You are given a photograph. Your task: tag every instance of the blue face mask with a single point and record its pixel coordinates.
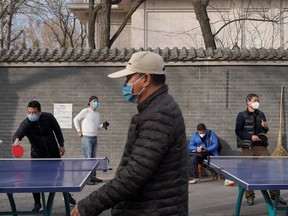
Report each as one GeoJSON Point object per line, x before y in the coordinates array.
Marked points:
{"type": "Point", "coordinates": [127, 91]}
{"type": "Point", "coordinates": [95, 105]}
{"type": "Point", "coordinates": [33, 117]}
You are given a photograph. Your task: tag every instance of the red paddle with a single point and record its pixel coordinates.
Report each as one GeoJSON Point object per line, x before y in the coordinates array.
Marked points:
{"type": "Point", "coordinates": [17, 151]}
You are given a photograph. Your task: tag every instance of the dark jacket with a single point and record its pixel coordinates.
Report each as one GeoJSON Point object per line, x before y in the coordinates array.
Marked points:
{"type": "Point", "coordinates": [249, 124]}
{"type": "Point", "coordinates": [152, 177]}
{"type": "Point", "coordinates": [41, 136]}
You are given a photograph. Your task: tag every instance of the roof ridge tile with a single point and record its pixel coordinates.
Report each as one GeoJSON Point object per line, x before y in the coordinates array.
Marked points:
{"type": "Point", "coordinates": [124, 54]}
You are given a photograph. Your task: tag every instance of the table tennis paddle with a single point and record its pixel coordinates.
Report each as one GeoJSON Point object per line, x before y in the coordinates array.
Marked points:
{"type": "Point", "coordinates": [263, 137]}
{"type": "Point", "coordinates": [17, 151]}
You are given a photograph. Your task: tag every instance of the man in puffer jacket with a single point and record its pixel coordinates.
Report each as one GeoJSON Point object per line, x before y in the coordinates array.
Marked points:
{"type": "Point", "coordinates": [152, 177]}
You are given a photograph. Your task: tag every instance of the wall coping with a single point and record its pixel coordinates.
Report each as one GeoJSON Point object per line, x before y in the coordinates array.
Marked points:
{"type": "Point", "coordinates": [68, 57]}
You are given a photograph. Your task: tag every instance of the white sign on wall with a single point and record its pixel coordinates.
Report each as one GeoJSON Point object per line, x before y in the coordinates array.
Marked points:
{"type": "Point", "coordinates": [63, 114]}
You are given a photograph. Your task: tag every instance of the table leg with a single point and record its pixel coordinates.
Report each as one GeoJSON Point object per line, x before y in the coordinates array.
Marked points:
{"type": "Point", "coordinates": [47, 208]}
{"type": "Point", "coordinates": [239, 200]}
{"type": "Point", "coordinates": [272, 210]}
{"type": "Point", "coordinates": [50, 203]}
{"type": "Point", "coordinates": [12, 202]}
{"type": "Point", "coordinates": [67, 203]}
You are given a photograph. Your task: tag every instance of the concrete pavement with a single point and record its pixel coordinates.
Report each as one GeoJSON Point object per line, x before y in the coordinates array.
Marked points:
{"type": "Point", "coordinates": [206, 198]}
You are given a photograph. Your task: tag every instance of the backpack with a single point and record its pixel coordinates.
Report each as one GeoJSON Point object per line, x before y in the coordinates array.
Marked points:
{"type": "Point", "coordinates": [219, 148]}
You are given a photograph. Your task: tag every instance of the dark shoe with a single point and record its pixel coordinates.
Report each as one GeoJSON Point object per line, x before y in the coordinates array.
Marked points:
{"type": "Point", "coordinates": [250, 201]}
{"type": "Point", "coordinates": [97, 180]}
{"type": "Point", "coordinates": [71, 200]}
{"type": "Point", "coordinates": [37, 207]}
{"type": "Point", "coordinates": [280, 200]}
{"type": "Point", "coordinates": [90, 182]}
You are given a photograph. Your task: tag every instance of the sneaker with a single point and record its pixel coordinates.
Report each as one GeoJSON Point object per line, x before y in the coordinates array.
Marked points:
{"type": "Point", "coordinates": [90, 182]}
{"type": "Point", "coordinates": [71, 200]}
{"type": "Point", "coordinates": [194, 181]}
{"type": "Point", "coordinates": [280, 200]}
{"type": "Point", "coordinates": [228, 182]}
{"type": "Point", "coordinates": [37, 207]}
{"type": "Point", "coordinates": [250, 201]}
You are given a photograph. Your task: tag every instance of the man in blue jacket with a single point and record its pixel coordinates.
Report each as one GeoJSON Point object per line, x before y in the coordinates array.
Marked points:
{"type": "Point", "coordinates": [203, 142]}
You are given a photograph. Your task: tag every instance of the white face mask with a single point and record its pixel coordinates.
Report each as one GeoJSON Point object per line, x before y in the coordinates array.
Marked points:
{"type": "Point", "coordinates": [202, 135]}
{"type": "Point", "coordinates": [255, 105]}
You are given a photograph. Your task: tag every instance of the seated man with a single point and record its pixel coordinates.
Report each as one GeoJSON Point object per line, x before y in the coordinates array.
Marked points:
{"type": "Point", "coordinates": [203, 142]}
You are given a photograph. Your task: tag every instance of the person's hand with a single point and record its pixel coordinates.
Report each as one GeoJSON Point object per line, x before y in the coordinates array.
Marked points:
{"type": "Point", "coordinates": [255, 138]}
{"type": "Point", "coordinates": [105, 125]}
{"type": "Point", "coordinates": [199, 149]}
{"type": "Point", "coordinates": [80, 134]}
{"type": "Point", "coordinates": [264, 124]}
{"type": "Point", "coordinates": [75, 211]}
{"type": "Point", "coordinates": [62, 151]}
{"type": "Point", "coordinates": [16, 142]}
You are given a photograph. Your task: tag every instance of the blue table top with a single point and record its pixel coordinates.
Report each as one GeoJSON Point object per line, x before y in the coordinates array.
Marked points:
{"type": "Point", "coordinates": [254, 173]}
{"type": "Point", "coordinates": [45, 175]}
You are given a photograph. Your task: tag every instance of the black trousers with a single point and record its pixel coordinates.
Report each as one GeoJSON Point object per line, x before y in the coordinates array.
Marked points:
{"type": "Point", "coordinates": [195, 159]}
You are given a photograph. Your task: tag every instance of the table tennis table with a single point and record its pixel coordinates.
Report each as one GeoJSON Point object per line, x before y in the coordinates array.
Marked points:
{"type": "Point", "coordinates": [254, 173]}
{"type": "Point", "coordinates": [46, 176]}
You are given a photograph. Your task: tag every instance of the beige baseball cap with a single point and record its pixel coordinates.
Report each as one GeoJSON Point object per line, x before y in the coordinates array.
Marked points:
{"type": "Point", "coordinates": [142, 62]}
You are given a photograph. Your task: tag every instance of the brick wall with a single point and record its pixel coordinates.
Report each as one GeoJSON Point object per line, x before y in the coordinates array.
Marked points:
{"type": "Point", "coordinates": [210, 94]}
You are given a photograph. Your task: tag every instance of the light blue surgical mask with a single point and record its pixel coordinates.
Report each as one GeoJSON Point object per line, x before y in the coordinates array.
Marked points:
{"type": "Point", "coordinates": [33, 117]}
{"type": "Point", "coordinates": [127, 91]}
{"type": "Point", "coordinates": [95, 105]}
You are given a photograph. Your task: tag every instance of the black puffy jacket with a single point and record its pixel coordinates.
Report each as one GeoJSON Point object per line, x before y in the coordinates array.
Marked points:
{"type": "Point", "coordinates": [151, 179]}
{"type": "Point", "coordinates": [41, 136]}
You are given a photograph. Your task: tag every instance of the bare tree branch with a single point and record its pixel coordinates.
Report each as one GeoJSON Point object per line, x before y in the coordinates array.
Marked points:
{"type": "Point", "coordinates": [125, 21]}
{"type": "Point", "coordinates": [240, 19]}
{"type": "Point", "coordinates": [17, 36]}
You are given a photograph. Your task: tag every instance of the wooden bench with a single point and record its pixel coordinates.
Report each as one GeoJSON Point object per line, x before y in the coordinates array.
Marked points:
{"type": "Point", "coordinates": [216, 176]}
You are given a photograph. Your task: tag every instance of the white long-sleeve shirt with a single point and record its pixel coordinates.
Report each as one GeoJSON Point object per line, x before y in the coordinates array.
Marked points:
{"type": "Point", "coordinates": [87, 121]}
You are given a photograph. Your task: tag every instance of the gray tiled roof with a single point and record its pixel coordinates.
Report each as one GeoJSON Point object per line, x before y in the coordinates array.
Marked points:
{"type": "Point", "coordinates": [122, 55]}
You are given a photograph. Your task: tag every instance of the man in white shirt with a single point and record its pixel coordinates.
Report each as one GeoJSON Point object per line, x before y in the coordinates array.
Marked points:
{"type": "Point", "coordinates": [87, 124]}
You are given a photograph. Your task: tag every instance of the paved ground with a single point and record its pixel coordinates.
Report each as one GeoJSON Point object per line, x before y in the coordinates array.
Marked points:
{"type": "Point", "coordinates": [207, 198]}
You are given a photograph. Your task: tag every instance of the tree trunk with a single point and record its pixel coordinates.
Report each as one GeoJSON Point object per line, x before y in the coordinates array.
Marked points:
{"type": "Point", "coordinates": [93, 11]}
{"type": "Point", "coordinates": [91, 25]}
{"type": "Point", "coordinates": [200, 7]}
{"type": "Point", "coordinates": [9, 23]}
{"type": "Point", "coordinates": [105, 24]}
{"type": "Point", "coordinates": [125, 21]}
{"type": "Point", "coordinates": [1, 24]}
